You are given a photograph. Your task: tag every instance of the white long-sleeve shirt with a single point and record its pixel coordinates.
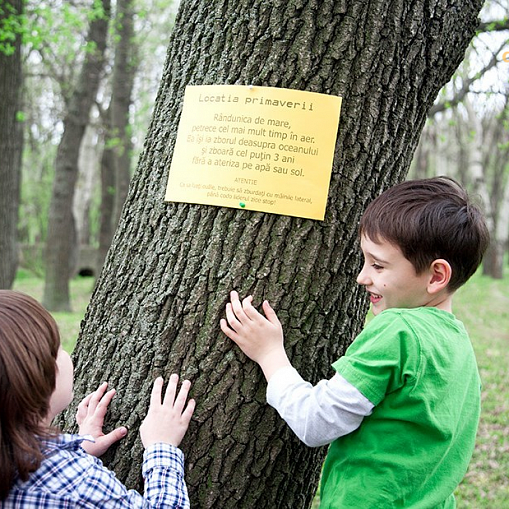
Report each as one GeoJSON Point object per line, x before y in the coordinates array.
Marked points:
{"type": "Point", "coordinates": [317, 414]}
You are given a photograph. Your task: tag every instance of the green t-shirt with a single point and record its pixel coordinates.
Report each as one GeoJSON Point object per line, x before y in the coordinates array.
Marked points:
{"type": "Point", "coordinates": [418, 368]}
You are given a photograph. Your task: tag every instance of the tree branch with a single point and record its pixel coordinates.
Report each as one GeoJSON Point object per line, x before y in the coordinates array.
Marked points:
{"type": "Point", "coordinates": [460, 95]}
{"type": "Point", "coordinates": [498, 25]}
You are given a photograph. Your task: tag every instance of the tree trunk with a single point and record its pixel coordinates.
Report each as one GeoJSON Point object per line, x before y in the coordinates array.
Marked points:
{"type": "Point", "coordinates": [495, 162]}
{"type": "Point", "coordinates": [107, 195]}
{"type": "Point", "coordinates": [11, 144]}
{"type": "Point", "coordinates": [61, 247]}
{"type": "Point", "coordinates": [500, 237]}
{"type": "Point", "coordinates": [424, 161]}
{"type": "Point", "coordinates": [157, 304]}
{"type": "Point", "coordinates": [116, 160]}
{"type": "Point", "coordinates": [122, 86]}
{"type": "Point", "coordinates": [88, 176]}
{"type": "Point", "coordinates": [472, 169]}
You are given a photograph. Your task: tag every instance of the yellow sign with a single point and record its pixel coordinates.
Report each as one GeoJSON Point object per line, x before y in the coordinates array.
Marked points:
{"type": "Point", "coordinates": [255, 148]}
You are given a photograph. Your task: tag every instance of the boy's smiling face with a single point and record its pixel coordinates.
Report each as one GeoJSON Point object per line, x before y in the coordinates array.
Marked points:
{"type": "Point", "coordinates": [390, 278]}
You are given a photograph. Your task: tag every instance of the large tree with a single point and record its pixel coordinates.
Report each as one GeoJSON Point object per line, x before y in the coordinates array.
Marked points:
{"type": "Point", "coordinates": [11, 135]}
{"type": "Point", "coordinates": [158, 301]}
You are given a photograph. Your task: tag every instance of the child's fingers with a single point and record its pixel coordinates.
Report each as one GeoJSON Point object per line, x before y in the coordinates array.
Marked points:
{"type": "Point", "coordinates": [224, 327]}
{"type": "Point", "coordinates": [102, 406]}
{"type": "Point", "coordinates": [82, 409]}
{"type": "Point", "coordinates": [96, 396]}
{"type": "Point", "coordinates": [188, 412]}
{"type": "Point", "coordinates": [155, 395]}
{"type": "Point", "coordinates": [85, 401]}
{"type": "Point", "coordinates": [270, 313]}
{"type": "Point", "coordinates": [114, 436]}
{"type": "Point", "coordinates": [234, 323]}
{"type": "Point", "coordinates": [250, 311]}
{"type": "Point", "coordinates": [103, 442]}
{"type": "Point", "coordinates": [237, 307]}
{"type": "Point", "coordinates": [169, 395]}
{"type": "Point", "coordinates": [182, 396]}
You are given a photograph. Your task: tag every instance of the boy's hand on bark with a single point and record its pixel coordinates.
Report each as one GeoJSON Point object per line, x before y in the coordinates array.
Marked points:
{"type": "Point", "coordinates": [259, 337]}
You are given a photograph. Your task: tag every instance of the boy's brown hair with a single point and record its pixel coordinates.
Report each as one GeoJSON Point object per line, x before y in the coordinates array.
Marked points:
{"type": "Point", "coordinates": [430, 219]}
{"type": "Point", "coordinates": [29, 344]}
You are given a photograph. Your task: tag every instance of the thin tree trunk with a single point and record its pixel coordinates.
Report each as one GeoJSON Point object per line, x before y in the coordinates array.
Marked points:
{"type": "Point", "coordinates": [116, 161]}
{"type": "Point", "coordinates": [107, 194]}
{"type": "Point", "coordinates": [495, 162]}
{"type": "Point", "coordinates": [61, 247]}
{"type": "Point", "coordinates": [157, 304]}
{"type": "Point", "coordinates": [122, 86]}
{"type": "Point", "coordinates": [472, 165]}
{"type": "Point", "coordinates": [500, 237]}
{"type": "Point", "coordinates": [88, 172]}
{"type": "Point", "coordinates": [11, 147]}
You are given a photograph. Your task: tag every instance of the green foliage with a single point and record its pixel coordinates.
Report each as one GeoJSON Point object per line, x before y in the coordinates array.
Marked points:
{"type": "Point", "coordinates": [113, 142]}
{"type": "Point", "coordinates": [11, 26]}
{"type": "Point", "coordinates": [55, 24]}
{"type": "Point", "coordinates": [54, 35]}
{"type": "Point", "coordinates": [57, 30]}
{"type": "Point", "coordinates": [96, 12]}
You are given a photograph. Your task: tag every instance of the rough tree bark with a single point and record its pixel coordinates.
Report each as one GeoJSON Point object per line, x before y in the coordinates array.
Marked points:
{"type": "Point", "coordinates": [11, 141]}
{"type": "Point", "coordinates": [61, 242]}
{"type": "Point", "coordinates": [157, 304]}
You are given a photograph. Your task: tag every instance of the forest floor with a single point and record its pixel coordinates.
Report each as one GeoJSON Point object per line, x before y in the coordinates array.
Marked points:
{"type": "Point", "coordinates": [483, 306]}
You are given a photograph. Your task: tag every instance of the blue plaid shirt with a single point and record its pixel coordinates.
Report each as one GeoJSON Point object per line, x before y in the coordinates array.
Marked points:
{"type": "Point", "coordinates": [69, 477]}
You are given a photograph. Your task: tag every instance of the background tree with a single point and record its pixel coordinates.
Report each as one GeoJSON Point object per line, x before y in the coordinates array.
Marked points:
{"type": "Point", "coordinates": [57, 34]}
{"type": "Point", "coordinates": [61, 243]}
{"type": "Point", "coordinates": [156, 307]}
{"type": "Point", "coordinates": [11, 135]}
{"type": "Point", "coordinates": [116, 159]}
{"type": "Point", "coordinates": [88, 176]}
{"type": "Point", "coordinates": [466, 135]}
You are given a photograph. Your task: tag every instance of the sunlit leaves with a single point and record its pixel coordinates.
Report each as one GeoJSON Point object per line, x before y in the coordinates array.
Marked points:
{"type": "Point", "coordinates": [11, 26]}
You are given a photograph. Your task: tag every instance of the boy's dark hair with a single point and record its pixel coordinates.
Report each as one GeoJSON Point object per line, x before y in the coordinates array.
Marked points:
{"type": "Point", "coordinates": [29, 344]}
{"type": "Point", "coordinates": [430, 219]}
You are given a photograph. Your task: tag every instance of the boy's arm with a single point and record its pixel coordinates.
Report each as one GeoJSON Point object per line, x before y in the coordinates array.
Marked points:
{"type": "Point", "coordinates": [317, 415]}
{"type": "Point", "coordinates": [259, 337]}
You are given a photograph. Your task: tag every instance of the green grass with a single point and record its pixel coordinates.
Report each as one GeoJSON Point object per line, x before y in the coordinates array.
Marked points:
{"type": "Point", "coordinates": [68, 323]}
{"type": "Point", "coordinates": [483, 305]}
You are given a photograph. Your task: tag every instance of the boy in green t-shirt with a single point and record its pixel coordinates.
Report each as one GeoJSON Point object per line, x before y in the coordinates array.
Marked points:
{"type": "Point", "coordinates": [402, 410]}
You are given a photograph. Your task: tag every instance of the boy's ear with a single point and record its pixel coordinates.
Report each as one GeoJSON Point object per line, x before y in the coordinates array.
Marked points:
{"type": "Point", "coordinates": [441, 272]}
